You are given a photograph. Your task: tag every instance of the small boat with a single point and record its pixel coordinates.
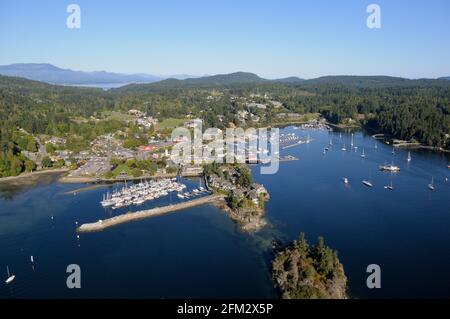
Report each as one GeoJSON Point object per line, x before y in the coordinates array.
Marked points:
{"type": "Point", "coordinates": [344, 148]}
{"type": "Point", "coordinates": [351, 144]}
{"type": "Point", "coordinates": [389, 187]}
{"type": "Point", "coordinates": [367, 183]}
{"type": "Point", "coordinates": [10, 277]}
{"type": "Point", "coordinates": [363, 155]}
{"type": "Point", "coordinates": [393, 150]}
{"type": "Point", "coordinates": [345, 180]}
{"type": "Point", "coordinates": [409, 157]}
{"type": "Point", "coordinates": [389, 168]}
{"type": "Point", "coordinates": [431, 185]}
{"type": "Point", "coordinates": [180, 196]}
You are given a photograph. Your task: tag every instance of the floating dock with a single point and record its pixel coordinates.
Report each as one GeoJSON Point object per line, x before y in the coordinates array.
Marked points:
{"type": "Point", "coordinates": [132, 216]}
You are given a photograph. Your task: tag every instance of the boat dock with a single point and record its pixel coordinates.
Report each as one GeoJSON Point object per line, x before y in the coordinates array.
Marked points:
{"type": "Point", "coordinates": [132, 216]}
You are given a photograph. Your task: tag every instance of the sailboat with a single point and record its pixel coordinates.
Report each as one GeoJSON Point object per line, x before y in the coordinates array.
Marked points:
{"type": "Point", "coordinates": [308, 139]}
{"type": "Point", "coordinates": [351, 144]}
{"type": "Point", "coordinates": [10, 277]}
{"type": "Point", "coordinates": [393, 150]}
{"type": "Point", "coordinates": [431, 185]}
{"type": "Point", "coordinates": [343, 148]}
{"type": "Point", "coordinates": [363, 155]}
{"type": "Point", "coordinates": [389, 187]}
{"type": "Point", "coordinates": [345, 180]}
{"type": "Point", "coordinates": [409, 157]}
{"type": "Point", "coordinates": [367, 183]}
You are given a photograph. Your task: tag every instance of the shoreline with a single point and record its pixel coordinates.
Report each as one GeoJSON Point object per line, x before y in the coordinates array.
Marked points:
{"type": "Point", "coordinates": [88, 179]}
{"type": "Point", "coordinates": [33, 174]}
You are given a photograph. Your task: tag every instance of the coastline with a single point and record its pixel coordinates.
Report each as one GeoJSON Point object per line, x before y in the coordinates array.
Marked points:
{"type": "Point", "coordinates": [89, 179]}
{"type": "Point", "coordinates": [33, 174]}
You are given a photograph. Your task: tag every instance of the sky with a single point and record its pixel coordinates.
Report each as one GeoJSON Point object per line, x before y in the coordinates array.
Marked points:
{"type": "Point", "coordinates": [273, 39]}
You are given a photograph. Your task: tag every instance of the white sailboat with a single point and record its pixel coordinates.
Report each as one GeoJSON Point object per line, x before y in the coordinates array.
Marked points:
{"type": "Point", "coordinates": [389, 187]}
{"type": "Point", "coordinates": [345, 180]}
{"type": "Point", "coordinates": [368, 183]}
{"type": "Point", "coordinates": [351, 144]}
{"type": "Point", "coordinates": [409, 157]}
{"type": "Point", "coordinates": [343, 148]}
{"type": "Point", "coordinates": [363, 155]}
{"type": "Point", "coordinates": [431, 185]}
{"type": "Point", "coordinates": [10, 277]}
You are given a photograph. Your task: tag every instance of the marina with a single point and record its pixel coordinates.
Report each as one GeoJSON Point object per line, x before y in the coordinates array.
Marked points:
{"type": "Point", "coordinates": [137, 194]}
{"type": "Point", "coordinates": [318, 195]}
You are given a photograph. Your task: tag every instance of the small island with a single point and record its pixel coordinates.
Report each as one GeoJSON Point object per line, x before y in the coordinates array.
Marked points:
{"type": "Point", "coordinates": [301, 271]}
{"type": "Point", "coordinates": [244, 199]}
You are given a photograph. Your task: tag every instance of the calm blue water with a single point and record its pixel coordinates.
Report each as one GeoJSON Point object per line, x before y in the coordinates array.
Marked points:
{"type": "Point", "coordinates": [200, 253]}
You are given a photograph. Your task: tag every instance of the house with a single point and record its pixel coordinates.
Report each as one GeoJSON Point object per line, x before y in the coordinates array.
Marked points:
{"type": "Point", "coordinates": [193, 123]}
{"type": "Point", "coordinates": [257, 105]}
{"type": "Point", "coordinates": [147, 148]}
{"type": "Point", "coordinates": [253, 195]}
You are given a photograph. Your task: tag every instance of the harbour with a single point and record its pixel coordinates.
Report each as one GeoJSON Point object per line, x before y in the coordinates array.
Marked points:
{"type": "Point", "coordinates": [321, 194]}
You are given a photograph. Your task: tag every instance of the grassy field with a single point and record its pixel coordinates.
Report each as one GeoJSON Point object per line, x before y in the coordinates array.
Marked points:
{"type": "Point", "coordinates": [170, 123]}
{"type": "Point", "coordinates": [112, 115]}
{"type": "Point", "coordinates": [122, 168]}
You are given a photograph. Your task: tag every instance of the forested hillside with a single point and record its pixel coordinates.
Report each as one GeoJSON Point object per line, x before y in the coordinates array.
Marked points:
{"type": "Point", "coordinates": [402, 108]}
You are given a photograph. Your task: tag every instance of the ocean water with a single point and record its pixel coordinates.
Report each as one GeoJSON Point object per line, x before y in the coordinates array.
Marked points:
{"type": "Point", "coordinates": [200, 253]}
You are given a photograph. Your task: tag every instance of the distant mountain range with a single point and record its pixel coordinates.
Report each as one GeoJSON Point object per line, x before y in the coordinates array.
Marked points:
{"type": "Point", "coordinates": [51, 74]}
{"type": "Point", "coordinates": [243, 79]}
{"type": "Point", "coordinates": [144, 82]}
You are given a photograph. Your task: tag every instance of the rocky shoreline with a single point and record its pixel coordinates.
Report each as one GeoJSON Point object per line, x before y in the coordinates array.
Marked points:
{"type": "Point", "coordinates": [244, 201]}
{"type": "Point", "coordinates": [249, 221]}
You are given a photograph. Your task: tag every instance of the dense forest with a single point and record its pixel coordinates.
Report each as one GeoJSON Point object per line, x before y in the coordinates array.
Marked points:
{"type": "Point", "coordinates": [302, 271]}
{"type": "Point", "coordinates": [401, 108]}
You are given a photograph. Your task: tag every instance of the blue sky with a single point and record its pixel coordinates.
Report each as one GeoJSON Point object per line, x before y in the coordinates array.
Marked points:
{"type": "Point", "coordinates": [271, 38]}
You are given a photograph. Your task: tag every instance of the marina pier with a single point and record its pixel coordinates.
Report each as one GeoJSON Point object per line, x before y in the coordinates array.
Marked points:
{"type": "Point", "coordinates": [132, 216]}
